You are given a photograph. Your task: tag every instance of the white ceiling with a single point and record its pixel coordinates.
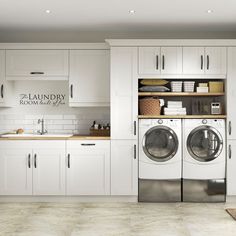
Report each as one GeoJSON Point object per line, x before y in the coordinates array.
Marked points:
{"type": "Point", "coordinates": [107, 15]}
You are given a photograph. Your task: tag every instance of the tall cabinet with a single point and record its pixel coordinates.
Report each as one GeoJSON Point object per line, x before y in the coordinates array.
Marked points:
{"type": "Point", "coordinates": [124, 112]}
{"type": "Point", "coordinates": [231, 122]}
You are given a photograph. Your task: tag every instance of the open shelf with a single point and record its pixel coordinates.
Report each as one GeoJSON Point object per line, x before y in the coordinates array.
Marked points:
{"type": "Point", "coordinates": [183, 117]}
{"type": "Point", "coordinates": [181, 94]}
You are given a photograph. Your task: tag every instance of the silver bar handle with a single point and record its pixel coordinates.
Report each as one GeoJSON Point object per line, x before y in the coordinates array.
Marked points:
{"type": "Point", "coordinates": [163, 62]}
{"type": "Point", "coordinates": [35, 160]}
{"type": "Point", "coordinates": [71, 90]}
{"type": "Point", "coordinates": [88, 144]}
{"type": "Point", "coordinates": [201, 62]}
{"type": "Point", "coordinates": [230, 152]}
{"type": "Point", "coordinates": [208, 62]}
{"type": "Point", "coordinates": [29, 162]}
{"type": "Point", "coordinates": [36, 73]}
{"type": "Point", "coordinates": [68, 158]}
{"type": "Point", "coordinates": [135, 127]}
{"type": "Point", "coordinates": [2, 87]}
{"type": "Point", "coordinates": [157, 62]}
{"type": "Point", "coordinates": [230, 128]}
{"type": "Point", "coordinates": [135, 155]}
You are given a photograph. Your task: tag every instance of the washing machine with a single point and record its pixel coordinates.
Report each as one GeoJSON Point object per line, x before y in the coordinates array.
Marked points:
{"type": "Point", "coordinates": [204, 160]}
{"type": "Point", "coordinates": [160, 160]}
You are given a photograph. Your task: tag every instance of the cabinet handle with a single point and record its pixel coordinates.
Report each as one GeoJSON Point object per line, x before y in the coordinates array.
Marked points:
{"type": "Point", "coordinates": [230, 128]}
{"type": "Point", "coordinates": [71, 91]}
{"type": "Point", "coordinates": [163, 62]}
{"type": "Point", "coordinates": [35, 160]}
{"type": "Point", "coordinates": [208, 62]}
{"type": "Point", "coordinates": [68, 157]}
{"type": "Point", "coordinates": [135, 128]}
{"type": "Point", "coordinates": [2, 87]}
{"type": "Point", "coordinates": [230, 152]}
{"type": "Point", "coordinates": [135, 151]}
{"type": "Point", "coordinates": [157, 62]}
{"type": "Point", "coordinates": [88, 144]}
{"type": "Point", "coordinates": [36, 73]}
{"type": "Point", "coordinates": [201, 62]}
{"type": "Point", "coordinates": [29, 164]}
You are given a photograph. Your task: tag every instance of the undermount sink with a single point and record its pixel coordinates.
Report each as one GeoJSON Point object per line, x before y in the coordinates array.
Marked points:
{"type": "Point", "coordinates": [36, 135]}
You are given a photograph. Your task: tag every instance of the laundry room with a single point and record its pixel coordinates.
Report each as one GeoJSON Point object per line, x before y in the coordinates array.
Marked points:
{"type": "Point", "coordinates": [117, 118]}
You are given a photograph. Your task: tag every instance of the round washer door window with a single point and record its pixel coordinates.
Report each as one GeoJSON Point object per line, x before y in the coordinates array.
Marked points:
{"type": "Point", "coordinates": [204, 143]}
{"type": "Point", "coordinates": [160, 143]}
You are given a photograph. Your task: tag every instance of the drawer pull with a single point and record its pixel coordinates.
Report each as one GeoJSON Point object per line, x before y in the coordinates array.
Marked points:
{"type": "Point", "coordinates": [230, 152]}
{"type": "Point", "coordinates": [36, 73]}
{"type": "Point", "coordinates": [35, 160]}
{"type": "Point", "coordinates": [68, 160]}
{"type": "Point", "coordinates": [88, 144]}
{"type": "Point", "coordinates": [29, 163]}
{"type": "Point", "coordinates": [135, 155]}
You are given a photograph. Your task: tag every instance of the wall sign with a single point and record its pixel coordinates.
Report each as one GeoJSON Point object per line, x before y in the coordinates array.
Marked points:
{"type": "Point", "coordinates": [42, 99]}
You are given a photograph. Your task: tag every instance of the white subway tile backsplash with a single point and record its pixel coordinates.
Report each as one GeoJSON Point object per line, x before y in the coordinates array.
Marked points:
{"type": "Point", "coordinates": [77, 123]}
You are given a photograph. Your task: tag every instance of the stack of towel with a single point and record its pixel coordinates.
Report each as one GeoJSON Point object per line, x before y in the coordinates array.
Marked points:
{"type": "Point", "coordinates": [175, 108]}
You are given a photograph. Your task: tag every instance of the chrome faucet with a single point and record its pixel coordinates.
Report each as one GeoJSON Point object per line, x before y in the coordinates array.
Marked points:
{"type": "Point", "coordinates": [43, 130]}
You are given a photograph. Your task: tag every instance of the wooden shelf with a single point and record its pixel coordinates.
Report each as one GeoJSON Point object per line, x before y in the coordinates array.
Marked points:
{"type": "Point", "coordinates": [172, 94]}
{"type": "Point", "coordinates": [183, 117]}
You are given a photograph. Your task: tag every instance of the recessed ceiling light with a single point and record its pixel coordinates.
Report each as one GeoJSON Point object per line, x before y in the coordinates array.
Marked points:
{"type": "Point", "coordinates": [209, 11]}
{"type": "Point", "coordinates": [48, 11]}
{"type": "Point", "coordinates": [131, 11]}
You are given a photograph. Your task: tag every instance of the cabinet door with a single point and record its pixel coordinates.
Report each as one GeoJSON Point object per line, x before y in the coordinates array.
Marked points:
{"type": "Point", "coordinates": [149, 60]}
{"type": "Point", "coordinates": [88, 168]}
{"type": "Point", "coordinates": [22, 64]}
{"type": "Point", "coordinates": [231, 168]}
{"type": "Point", "coordinates": [89, 78]}
{"type": "Point", "coordinates": [124, 167]}
{"type": "Point", "coordinates": [49, 168]}
{"type": "Point", "coordinates": [193, 60]}
{"type": "Point", "coordinates": [231, 93]}
{"type": "Point", "coordinates": [124, 92]}
{"type": "Point", "coordinates": [15, 168]}
{"type": "Point", "coordinates": [171, 60]}
{"type": "Point", "coordinates": [6, 88]}
{"type": "Point", "coordinates": [215, 60]}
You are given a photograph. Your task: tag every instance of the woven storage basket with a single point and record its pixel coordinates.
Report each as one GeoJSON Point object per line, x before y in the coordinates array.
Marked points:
{"type": "Point", "coordinates": [149, 106]}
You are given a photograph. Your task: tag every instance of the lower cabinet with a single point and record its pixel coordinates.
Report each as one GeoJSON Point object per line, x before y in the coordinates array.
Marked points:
{"type": "Point", "coordinates": [88, 168]}
{"type": "Point", "coordinates": [124, 167]}
{"type": "Point", "coordinates": [32, 167]}
{"type": "Point", "coordinates": [231, 167]}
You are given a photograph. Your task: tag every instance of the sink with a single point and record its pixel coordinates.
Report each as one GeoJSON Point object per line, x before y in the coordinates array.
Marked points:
{"type": "Point", "coordinates": [36, 135]}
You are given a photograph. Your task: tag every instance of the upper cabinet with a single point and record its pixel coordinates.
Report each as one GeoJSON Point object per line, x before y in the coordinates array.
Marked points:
{"type": "Point", "coordinates": [89, 80]}
{"type": "Point", "coordinates": [6, 87]}
{"type": "Point", "coordinates": [37, 64]}
{"type": "Point", "coordinates": [160, 60]}
{"type": "Point", "coordinates": [204, 61]}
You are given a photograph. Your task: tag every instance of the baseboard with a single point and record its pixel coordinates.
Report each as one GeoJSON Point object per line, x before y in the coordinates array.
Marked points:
{"type": "Point", "coordinates": [68, 199]}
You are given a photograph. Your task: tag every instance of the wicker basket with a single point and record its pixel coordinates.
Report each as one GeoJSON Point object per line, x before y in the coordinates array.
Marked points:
{"type": "Point", "coordinates": [149, 106]}
{"type": "Point", "coordinates": [100, 132]}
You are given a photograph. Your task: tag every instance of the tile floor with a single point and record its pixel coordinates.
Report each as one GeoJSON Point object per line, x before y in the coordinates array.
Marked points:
{"type": "Point", "coordinates": [115, 219]}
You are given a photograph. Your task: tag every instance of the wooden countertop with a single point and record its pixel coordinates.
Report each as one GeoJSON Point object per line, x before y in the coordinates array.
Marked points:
{"type": "Point", "coordinates": [74, 137]}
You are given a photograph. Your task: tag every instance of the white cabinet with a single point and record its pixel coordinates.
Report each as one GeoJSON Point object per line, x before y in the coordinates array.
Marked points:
{"type": "Point", "coordinates": [89, 80]}
{"type": "Point", "coordinates": [204, 61]}
{"type": "Point", "coordinates": [15, 168]}
{"type": "Point", "coordinates": [88, 167]}
{"type": "Point", "coordinates": [231, 93]}
{"type": "Point", "coordinates": [231, 168]}
{"type": "Point", "coordinates": [124, 92]}
{"type": "Point", "coordinates": [124, 167]}
{"type": "Point", "coordinates": [160, 60]}
{"type": "Point", "coordinates": [6, 88]}
{"type": "Point", "coordinates": [32, 167]}
{"type": "Point", "coordinates": [37, 64]}
{"type": "Point", "coordinates": [49, 168]}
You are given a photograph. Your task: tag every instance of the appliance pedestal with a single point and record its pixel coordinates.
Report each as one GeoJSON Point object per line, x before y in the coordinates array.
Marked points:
{"type": "Point", "coordinates": [159, 190]}
{"type": "Point", "coordinates": [213, 190]}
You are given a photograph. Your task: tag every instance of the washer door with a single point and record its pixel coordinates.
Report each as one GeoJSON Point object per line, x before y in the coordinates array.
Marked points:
{"type": "Point", "coordinates": [160, 143]}
{"type": "Point", "coordinates": [204, 143]}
